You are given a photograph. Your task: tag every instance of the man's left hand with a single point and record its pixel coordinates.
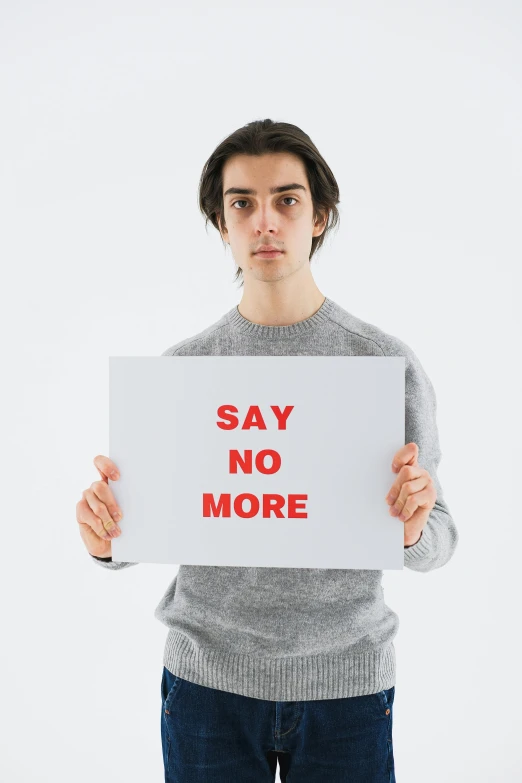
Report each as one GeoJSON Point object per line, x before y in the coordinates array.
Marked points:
{"type": "Point", "coordinates": [412, 495]}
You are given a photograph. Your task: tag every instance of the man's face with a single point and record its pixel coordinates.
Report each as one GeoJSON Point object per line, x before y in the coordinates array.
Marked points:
{"type": "Point", "coordinates": [282, 219]}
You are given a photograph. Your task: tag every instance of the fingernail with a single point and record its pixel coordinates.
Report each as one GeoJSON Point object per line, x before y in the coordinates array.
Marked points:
{"type": "Point", "coordinates": [116, 516]}
{"type": "Point", "coordinates": [114, 475]}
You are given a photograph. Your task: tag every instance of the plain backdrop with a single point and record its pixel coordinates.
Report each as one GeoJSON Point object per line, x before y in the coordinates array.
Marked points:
{"type": "Point", "coordinates": [109, 112]}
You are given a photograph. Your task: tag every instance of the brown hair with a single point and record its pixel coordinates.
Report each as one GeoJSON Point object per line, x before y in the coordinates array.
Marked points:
{"type": "Point", "coordinates": [262, 137]}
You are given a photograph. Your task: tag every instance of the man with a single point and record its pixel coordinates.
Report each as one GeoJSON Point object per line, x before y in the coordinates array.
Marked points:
{"type": "Point", "coordinates": [288, 664]}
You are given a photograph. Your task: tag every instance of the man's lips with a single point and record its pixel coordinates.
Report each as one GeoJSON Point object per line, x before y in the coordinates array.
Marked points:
{"type": "Point", "coordinates": [268, 249]}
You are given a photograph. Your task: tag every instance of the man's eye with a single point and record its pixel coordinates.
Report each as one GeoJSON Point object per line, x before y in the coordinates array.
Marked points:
{"type": "Point", "coordinates": [244, 201]}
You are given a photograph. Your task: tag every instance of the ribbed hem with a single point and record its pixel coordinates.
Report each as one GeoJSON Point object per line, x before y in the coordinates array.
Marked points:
{"type": "Point", "coordinates": [281, 679]}
{"type": "Point", "coordinates": [241, 324]}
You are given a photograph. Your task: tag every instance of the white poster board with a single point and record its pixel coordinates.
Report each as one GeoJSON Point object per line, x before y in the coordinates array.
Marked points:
{"type": "Point", "coordinates": [321, 432]}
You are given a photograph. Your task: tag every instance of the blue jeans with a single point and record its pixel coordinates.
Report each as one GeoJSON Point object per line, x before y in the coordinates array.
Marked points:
{"type": "Point", "coordinates": [212, 736]}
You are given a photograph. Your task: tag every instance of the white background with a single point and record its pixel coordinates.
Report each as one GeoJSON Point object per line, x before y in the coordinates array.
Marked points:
{"type": "Point", "coordinates": [110, 110]}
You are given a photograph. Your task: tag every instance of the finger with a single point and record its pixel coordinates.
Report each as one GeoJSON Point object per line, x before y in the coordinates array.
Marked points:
{"type": "Point", "coordinates": [105, 494]}
{"type": "Point", "coordinates": [86, 516]}
{"type": "Point", "coordinates": [406, 455]}
{"type": "Point", "coordinates": [106, 468]}
{"type": "Point", "coordinates": [419, 500]}
{"type": "Point", "coordinates": [99, 508]}
{"type": "Point", "coordinates": [407, 473]}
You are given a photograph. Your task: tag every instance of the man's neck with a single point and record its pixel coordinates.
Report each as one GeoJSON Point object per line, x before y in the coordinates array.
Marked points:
{"type": "Point", "coordinates": [281, 309]}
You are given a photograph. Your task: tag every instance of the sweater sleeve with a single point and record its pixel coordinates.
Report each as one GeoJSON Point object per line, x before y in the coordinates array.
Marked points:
{"type": "Point", "coordinates": [108, 562]}
{"type": "Point", "coordinates": [439, 537]}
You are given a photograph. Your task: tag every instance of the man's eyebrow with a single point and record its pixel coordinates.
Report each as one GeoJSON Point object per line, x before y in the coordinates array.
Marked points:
{"type": "Point", "coordinates": [250, 192]}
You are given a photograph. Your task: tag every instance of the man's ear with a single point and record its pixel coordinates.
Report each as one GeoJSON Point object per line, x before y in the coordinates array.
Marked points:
{"type": "Point", "coordinates": [320, 223]}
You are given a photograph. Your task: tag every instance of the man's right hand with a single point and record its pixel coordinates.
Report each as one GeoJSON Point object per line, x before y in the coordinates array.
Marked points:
{"type": "Point", "coordinates": [96, 511]}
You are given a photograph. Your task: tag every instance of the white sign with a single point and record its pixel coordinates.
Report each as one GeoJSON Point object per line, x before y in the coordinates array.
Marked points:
{"type": "Point", "coordinates": [280, 461]}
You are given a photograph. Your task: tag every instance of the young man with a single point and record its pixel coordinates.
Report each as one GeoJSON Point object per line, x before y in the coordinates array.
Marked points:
{"type": "Point", "coordinates": [267, 664]}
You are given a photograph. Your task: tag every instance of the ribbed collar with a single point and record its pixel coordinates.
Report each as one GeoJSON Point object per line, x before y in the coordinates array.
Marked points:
{"type": "Point", "coordinates": [241, 324]}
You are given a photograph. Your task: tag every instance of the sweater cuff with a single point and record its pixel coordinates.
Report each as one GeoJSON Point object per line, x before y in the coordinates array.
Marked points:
{"type": "Point", "coordinates": [421, 549]}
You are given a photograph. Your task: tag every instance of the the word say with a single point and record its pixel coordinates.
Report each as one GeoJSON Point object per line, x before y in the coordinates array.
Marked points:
{"type": "Point", "coordinates": [253, 418]}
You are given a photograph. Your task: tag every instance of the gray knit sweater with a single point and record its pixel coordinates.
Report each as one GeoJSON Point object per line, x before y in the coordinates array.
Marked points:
{"type": "Point", "coordinates": [293, 634]}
